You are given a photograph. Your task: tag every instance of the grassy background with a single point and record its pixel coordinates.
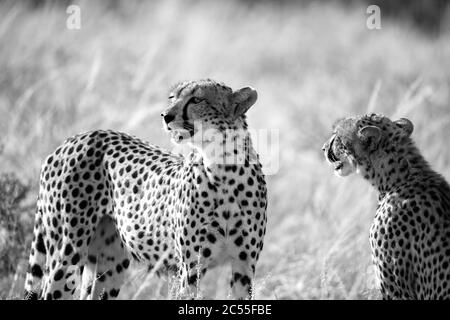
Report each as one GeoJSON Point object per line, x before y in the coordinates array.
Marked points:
{"type": "Point", "coordinates": [311, 64]}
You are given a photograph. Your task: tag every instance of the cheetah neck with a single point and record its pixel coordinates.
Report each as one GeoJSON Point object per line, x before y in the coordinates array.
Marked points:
{"type": "Point", "coordinates": [224, 155]}
{"type": "Point", "coordinates": [390, 171]}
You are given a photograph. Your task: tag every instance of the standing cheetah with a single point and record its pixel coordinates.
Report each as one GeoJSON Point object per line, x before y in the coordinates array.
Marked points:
{"type": "Point", "coordinates": [410, 235]}
{"type": "Point", "coordinates": [106, 197]}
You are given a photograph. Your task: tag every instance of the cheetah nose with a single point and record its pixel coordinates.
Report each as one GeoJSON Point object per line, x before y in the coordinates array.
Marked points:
{"type": "Point", "coordinates": [168, 118]}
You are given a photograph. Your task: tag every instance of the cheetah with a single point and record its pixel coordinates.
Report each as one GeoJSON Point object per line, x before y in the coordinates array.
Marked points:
{"type": "Point", "coordinates": [410, 234]}
{"type": "Point", "coordinates": [107, 198]}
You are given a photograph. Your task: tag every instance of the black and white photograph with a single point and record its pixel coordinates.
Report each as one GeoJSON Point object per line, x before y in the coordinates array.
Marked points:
{"type": "Point", "coordinates": [224, 150]}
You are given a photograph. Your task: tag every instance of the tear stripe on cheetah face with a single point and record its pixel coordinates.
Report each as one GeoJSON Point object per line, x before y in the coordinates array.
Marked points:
{"type": "Point", "coordinates": [410, 235]}
{"type": "Point", "coordinates": [106, 197]}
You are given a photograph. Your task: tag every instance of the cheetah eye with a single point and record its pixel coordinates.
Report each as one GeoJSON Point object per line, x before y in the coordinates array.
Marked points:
{"type": "Point", "coordinates": [195, 100]}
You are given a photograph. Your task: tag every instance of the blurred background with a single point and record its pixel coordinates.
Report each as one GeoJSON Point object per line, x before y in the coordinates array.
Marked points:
{"type": "Point", "coordinates": [311, 62]}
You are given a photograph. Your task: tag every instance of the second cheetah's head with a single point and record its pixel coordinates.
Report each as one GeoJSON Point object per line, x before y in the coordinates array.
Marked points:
{"type": "Point", "coordinates": [199, 106]}
{"type": "Point", "coordinates": [358, 142]}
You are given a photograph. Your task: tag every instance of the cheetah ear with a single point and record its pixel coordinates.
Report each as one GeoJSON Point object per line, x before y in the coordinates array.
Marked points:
{"type": "Point", "coordinates": [370, 136]}
{"type": "Point", "coordinates": [406, 125]}
{"type": "Point", "coordinates": [242, 100]}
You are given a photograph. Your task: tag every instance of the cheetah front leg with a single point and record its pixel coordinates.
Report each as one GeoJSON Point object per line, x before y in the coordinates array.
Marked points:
{"type": "Point", "coordinates": [199, 259]}
{"type": "Point", "coordinates": [241, 283]}
{"type": "Point", "coordinates": [194, 277]}
{"type": "Point", "coordinates": [246, 251]}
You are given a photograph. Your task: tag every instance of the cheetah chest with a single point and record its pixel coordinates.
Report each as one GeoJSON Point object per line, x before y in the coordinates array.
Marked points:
{"type": "Point", "coordinates": [390, 240]}
{"type": "Point", "coordinates": [229, 222]}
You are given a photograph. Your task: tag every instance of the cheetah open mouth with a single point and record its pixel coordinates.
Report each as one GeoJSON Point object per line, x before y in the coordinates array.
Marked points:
{"type": "Point", "coordinates": [338, 165]}
{"type": "Point", "coordinates": [342, 166]}
{"type": "Point", "coordinates": [334, 161]}
{"type": "Point", "coordinates": [331, 157]}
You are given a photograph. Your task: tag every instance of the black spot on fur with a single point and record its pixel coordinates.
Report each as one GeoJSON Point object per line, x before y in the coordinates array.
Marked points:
{"type": "Point", "coordinates": [40, 246]}
{"type": "Point", "coordinates": [113, 293]}
{"type": "Point", "coordinates": [68, 250]}
{"type": "Point", "coordinates": [36, 271]}
{"type": "Point", "coordinates": [206, 252]}
{"type": "Point", "coordinates": [58, 275]}
{"type": "Point", "coordinates": [239, 241]}
{"type": "Point", "coordinates": [92, 259]}
{"type": "Point", "coordinates": [57, 294]}
{"type": "Point", "coordinates": [75, 259]}
{"type": "Point", "coordinates": [211, 238]}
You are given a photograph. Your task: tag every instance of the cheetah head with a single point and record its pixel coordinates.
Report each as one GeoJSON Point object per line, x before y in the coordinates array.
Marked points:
{"type": "Point", "coordinates": [357, 142]}
{"type": "Point", "coordinates": [196, 107]}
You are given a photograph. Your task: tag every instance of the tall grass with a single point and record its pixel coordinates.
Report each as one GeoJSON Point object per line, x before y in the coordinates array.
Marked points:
{"type": "Point", "coordinates": [311, 65]}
